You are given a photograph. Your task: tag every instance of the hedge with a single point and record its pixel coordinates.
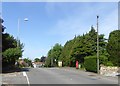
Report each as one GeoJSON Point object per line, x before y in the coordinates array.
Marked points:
{"type": "Point", "coordinates": [90, 63]}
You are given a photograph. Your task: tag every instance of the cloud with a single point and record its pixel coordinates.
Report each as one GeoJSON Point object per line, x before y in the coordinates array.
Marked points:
{"type": "Point", "coordinates": [68, 27]}
{"type": "Point", "coordinates": [76, 20]}
{"type": "Point", "coordinates": [81, 19]}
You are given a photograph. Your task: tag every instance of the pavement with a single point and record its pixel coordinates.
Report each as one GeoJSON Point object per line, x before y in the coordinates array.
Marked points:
{"type": "Point", "coordinates": [111, 78]}
{"type": "Point", "coordinates": [13, 78]}
{"type": "Point", "coordinates": [90, 73]}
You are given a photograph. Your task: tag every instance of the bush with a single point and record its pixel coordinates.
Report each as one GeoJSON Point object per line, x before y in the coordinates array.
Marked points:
{"type": "Point", "coordinates": [103, 59]}
{"type": "Point", "coordinates": [10, 56]}
{"type": "Point", "coordinates": [90, 63]}
{"type": "Point", "coordinates": [109, 63]}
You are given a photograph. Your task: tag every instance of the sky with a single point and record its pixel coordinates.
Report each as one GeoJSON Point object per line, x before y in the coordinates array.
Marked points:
{"type": "Point", "coordinates": [56, 22]}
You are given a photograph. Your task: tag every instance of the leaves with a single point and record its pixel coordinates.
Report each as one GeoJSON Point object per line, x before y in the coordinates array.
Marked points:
{"type": "Point", "coordinates": [11, 55]}
{"type": "Point", "coordinates": [36, 60]}
{"type": "Point", "coordinates": [82, 46]}
{"type": "Point", "coordinates": [43, 58]}
{"type": "Point", "coordinates": [1, 26]}
{"type": "Point", "coordinates": [113, 47]}
{"type": "Point", "coordinates": [28, 61]}
{"type": "Point", "coordinates": [10, 51]}
{"type": "Point", "coordinates": [54, 55]}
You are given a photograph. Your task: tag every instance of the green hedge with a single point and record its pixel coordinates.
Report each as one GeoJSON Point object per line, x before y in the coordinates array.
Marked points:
{"type": "Point", "coordinates": [90, 63]}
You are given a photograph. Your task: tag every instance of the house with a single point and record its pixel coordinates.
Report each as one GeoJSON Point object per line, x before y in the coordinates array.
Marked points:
{"type": "Point", "coordinates": [38, 64]}
{"type": "Point", "coordinates": [21, 62]}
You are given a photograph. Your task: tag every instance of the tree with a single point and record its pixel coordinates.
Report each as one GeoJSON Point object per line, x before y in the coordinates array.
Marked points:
{"type": "Point", "coordinates": [10, 51]}
{"type": "Point", "coordinates": [66, 57]}
{"type": "Point", "coordinates": [28, 61]}
{"type": "Point", "coordinates": [8, 42]}
{"type": "Point", "coordinates": [36, 60]}
{"type": "Point", "coordinates": [43, 58]}
{"type": "Point", "coordinates": [82, 46]}
{"type": "Point", "coordinates": [54, 55]}
{"type": "Point", "coordinates": [48, 62]}
{"type": "Point", "coordinates": [1, 26]}
{"type": "Point", "coordinates": [10, 56]}
{"type": "Point", "coordinates": [113, 47]}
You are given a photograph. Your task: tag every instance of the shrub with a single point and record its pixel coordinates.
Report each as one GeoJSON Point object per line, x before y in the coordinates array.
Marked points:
{"type": "Point", "coordinates": [109, 63]}
{"type": "Point", "coordinates": [90, 63]}
{"type": "Point", "coordinates": [10, 56]}
{"type": "Point", "coordinates": [103, 59]}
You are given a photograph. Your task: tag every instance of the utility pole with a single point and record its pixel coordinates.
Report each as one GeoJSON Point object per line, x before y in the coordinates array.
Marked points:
{"type": "Point", "coordinates": [51, 62]}
{"type": "Point", "coordinates": [97, 47]}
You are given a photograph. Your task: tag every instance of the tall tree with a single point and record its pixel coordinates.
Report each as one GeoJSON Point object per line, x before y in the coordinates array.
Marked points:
{"type": "Point", "coordinates": [10, 51]}
{"type": "Point", "coordinates": [82, 46]}
{"type": "Point", "coordinates": [8, 41]}
{"type": "Point", "coordinates": [85, 45]}
{"type": "Point", "coordinates": [54, 55]}
{"type": "Point", "coordinates": [65, 56]}
{"type": "Point", "coordinates": [1, 25]}
{"type": "Point", "coordinates": [113, 47]}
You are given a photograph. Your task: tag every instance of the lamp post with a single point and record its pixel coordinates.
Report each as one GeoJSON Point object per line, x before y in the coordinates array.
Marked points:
{"type": "Point", "coordinates": [97, 47]}
{"type": "Point", "coordinates": [18, 41]}
{"type": "Point", "coordinates": [55, 62]}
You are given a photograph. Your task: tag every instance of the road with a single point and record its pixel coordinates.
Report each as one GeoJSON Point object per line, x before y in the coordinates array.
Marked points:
{"type": "Point", "coordinates": [66, 76]}
{"type": "Point", "coordinates": [57, 76]}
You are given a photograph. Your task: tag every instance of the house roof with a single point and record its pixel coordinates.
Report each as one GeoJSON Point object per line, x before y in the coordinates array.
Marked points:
{"type": "Point", "coordinates": [38, 62]}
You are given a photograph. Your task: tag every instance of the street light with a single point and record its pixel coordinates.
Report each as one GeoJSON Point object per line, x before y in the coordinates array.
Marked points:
{"type": "Point", "coordinates": [25, 19]}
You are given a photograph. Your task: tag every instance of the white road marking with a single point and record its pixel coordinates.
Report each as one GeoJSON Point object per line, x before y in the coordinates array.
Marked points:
{"type": "Point", "coordinates": [24, 74]}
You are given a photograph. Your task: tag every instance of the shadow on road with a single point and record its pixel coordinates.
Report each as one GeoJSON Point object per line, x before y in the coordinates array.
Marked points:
{"type": "Point", "coordinates": [12, 70]}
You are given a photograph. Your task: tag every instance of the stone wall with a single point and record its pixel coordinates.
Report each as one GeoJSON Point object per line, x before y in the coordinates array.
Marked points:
{"type": "Point", "coordinates": [109, 71]}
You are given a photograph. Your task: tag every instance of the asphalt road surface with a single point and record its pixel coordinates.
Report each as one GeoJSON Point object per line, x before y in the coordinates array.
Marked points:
{"type": "Point", "coordinates": [65, 76]}
{"type": "Point", "coordinates": [55, 76]}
